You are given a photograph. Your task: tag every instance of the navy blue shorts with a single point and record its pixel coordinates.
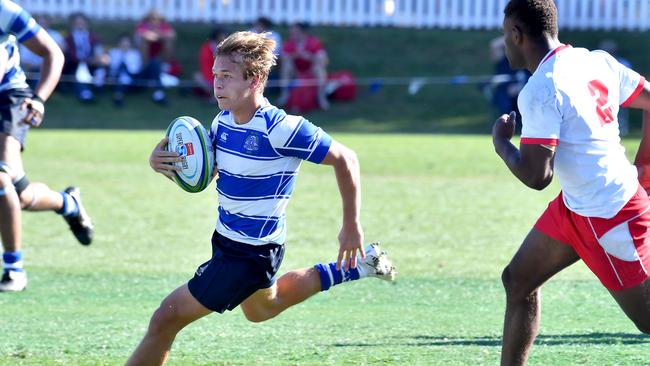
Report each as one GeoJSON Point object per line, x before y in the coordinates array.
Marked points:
{"type": "Point", "coordinates": [11, 116]}
{"type": "Point", "coordinates": [235, 271]}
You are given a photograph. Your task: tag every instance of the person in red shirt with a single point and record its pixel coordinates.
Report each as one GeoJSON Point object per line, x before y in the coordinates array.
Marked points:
{"type": "Point", "coordinates": [304, 71]}
{"type": "Point", "coordinates": [204, 77]}
{"type": "Point", "coordinates": [156, 39]}
{"type": "Point", "coordinates": [85, 56]}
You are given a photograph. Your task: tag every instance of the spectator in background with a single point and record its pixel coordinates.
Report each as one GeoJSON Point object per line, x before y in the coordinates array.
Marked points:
{"type": "Point", "coordinates": [204, 77]}
{"type": "Point", "coordinates": [85, 60]}
{"type": "Point", "coordinates": [265, 25]}
{"type": "Point", "coordinates": [303, 72]}
{"type": "Point", "coordinates": [610, 46]}
{"type": "Point", "coordinates": [504, 89]}
{"type": "Point", "coordinates": [124, 68]}
{"type": "Point", "coordinates": [156, 39]}
{"type": "Point", "coordinates": [32, 62]}
{"type": "Point", "coordinates": [128, 72]}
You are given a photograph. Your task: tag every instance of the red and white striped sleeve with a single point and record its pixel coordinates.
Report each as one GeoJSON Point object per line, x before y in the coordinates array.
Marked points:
{"type": "Point", "coordinates": [631, 85]}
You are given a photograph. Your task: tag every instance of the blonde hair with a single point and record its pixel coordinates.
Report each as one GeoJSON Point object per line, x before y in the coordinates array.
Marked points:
{"type": "Point", "coordinates": [255, 50]}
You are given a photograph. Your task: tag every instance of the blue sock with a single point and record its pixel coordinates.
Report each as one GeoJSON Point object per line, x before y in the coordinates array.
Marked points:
{"type": "Point", "coordinates": [13, 261]}
{"type": "Point", "coordinates": [70, 207]}
{"type": "Point", "coordinates": [329, 276]}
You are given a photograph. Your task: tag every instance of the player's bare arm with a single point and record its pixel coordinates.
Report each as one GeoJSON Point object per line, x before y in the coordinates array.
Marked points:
{"type": "Point", "coordinates": [162, 161]}
{"type": "Point", "coordinates": [43, 45]}
{"type": "Point", "coordinates": [642, 160]}
{"type": "Point", "coordinates": [532, 165]}
{"type": "Point", "coordinates": [348, 177]}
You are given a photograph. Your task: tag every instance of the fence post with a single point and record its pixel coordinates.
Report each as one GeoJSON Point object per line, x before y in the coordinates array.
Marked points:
{"type": "Point", "coordinates": [643, 16]}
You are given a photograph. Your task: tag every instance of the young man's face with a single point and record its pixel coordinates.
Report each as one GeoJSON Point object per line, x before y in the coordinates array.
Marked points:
{"type": "Point", "coordinates": [512, 38]}
{"type": "Point", "coordinates": [230, 88]}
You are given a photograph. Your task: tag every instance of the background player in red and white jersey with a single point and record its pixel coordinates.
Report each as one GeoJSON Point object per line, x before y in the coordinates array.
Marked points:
{"type": "Point", "coordinates": [602, 214]}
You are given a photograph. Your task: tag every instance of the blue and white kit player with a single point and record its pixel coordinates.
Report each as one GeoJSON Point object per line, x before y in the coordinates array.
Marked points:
{"type": "Point", "coordinates": [20, 109]}
{"type": "Point", "coordinates": [259, 149]}
{"type": "Point", "coordinates": [258, 165]}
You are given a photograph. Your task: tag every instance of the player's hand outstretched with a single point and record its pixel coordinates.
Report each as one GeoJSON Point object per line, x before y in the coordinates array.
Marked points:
{"type": "Point", "coordinates": [351, 242]}
{"type": "Point", "coordinates": [504, 127]}
{"type": "Point", "coordinates": [162, 161]}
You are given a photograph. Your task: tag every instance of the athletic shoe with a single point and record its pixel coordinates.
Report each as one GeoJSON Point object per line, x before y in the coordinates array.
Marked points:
{"type": "Point", "coordinates": [81, 225]}
{"type": "Point", "coordinates": [13, 281]}
{"type": "Point", "coordinates": [377, 264]}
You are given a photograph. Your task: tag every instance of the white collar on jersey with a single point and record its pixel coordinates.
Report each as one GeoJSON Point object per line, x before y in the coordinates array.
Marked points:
{"type": "Point", "coordinates": [552, 53]}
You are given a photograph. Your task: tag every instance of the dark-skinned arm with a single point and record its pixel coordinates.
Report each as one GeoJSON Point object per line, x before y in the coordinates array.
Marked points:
{"type": "Point", "coordinates": [532, 165]}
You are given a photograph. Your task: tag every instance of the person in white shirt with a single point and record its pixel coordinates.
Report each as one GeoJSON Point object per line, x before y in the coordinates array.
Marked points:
{"type": "Point", "coordinates": [124, 67]}
{"type": "Point", "coordinates": [602, 215]}
{"type": "Point", "coordinates": [85, 58]}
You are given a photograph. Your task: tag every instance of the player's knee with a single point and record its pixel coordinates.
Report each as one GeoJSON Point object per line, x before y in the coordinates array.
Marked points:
{"type": "Point", "coordinates": [21, 184]}
{"type": "Point", "coordinates": [25, 201]}
{"type": "Point", "coordinates": [166, 319]}
{"type": "Point", "coordinates": [5, 172]}
{"type": "Point", "coordinates": [5, 181]}
{"type": "Point", "coordinates": [260, 312]}
{"type": "Point", "coordinates": [9, 181]}
{"type": "Point", "coordinates": [158, 321]}
{"type": "Point", "coordinates": [6, 185]}
{"type": "Point", "coordinates": [255, 317]}
{"type": "Point", "coordinates": [643, 326]}
{"type": "Point", "coordinates": [26, 196]}
{"type": "Point", "coordinates": [506, 278]}
{"type": "Point", "coordinates": [258, 315]}
{"type": "Point", "coordinates": [516, 286]}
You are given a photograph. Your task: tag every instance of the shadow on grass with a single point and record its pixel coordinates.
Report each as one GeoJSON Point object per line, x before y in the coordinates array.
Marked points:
{"type": "Point", "coordinates": [542, 340]}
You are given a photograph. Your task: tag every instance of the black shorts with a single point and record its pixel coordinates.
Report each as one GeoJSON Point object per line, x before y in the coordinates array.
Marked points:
{"type": "Point", "coordinates": [235, 271]}
{"type": "Point", "coordinates": [10, 116]}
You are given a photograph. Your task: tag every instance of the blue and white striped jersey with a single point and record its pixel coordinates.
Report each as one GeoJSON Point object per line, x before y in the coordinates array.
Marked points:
{"type": "Point", "coordinates": [16, 25]}
{"type": "Point", "coordinates": [258, 164]}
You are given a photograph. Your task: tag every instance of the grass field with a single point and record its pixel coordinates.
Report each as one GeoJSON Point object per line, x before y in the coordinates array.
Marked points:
{"type": "Point", "coordinates": [444, 207]}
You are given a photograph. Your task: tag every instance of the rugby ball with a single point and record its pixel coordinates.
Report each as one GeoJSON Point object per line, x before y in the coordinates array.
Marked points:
{"type": "Point", "coordinates": [190, 139]}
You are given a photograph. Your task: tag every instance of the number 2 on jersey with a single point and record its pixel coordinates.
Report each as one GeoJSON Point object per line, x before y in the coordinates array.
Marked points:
{"type": "Point", "coordinates": [603, 109]}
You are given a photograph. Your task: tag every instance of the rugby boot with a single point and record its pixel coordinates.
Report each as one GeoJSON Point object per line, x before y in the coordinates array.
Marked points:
{"type": "Point", "coordinates": [376, 263]}
{"type": "Point", "coordinates": [80, 224]}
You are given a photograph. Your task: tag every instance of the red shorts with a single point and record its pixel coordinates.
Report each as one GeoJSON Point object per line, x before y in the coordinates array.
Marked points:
{"type": "Point", "coordinates": [617, 250]}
